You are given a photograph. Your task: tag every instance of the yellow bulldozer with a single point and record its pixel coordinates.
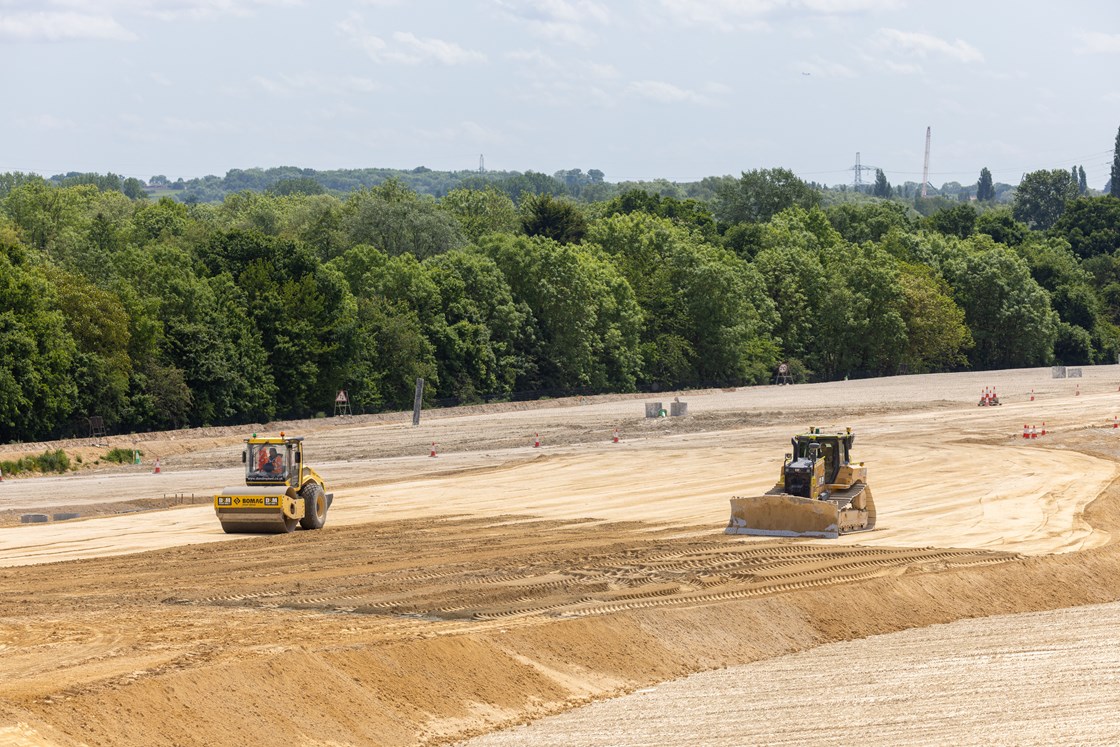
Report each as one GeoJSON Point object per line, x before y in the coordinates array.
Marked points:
{"type": "Point", "coordinates": [821, 492]}
{"type": "Point", "coordinates": [280, 491]}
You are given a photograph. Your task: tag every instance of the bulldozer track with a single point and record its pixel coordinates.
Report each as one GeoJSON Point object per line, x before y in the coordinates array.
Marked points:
{"type": "Point", "coordinates": [552, 583]}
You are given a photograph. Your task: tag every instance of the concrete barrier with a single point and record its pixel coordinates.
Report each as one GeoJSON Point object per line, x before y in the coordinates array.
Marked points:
{"type": "Point", "coordinates": [678, 409]}
{"type": "Point", "coordinates": [33, 518]}
{"type": "Point", "coordinates": [653, 409]}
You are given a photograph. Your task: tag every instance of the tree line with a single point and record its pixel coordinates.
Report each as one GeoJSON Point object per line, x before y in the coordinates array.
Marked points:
{"type": "Point", "coordinates": [157, 313]}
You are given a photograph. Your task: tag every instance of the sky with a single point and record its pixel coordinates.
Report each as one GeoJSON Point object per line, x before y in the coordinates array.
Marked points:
{"type": "Point", "coordinates": [674, 89]}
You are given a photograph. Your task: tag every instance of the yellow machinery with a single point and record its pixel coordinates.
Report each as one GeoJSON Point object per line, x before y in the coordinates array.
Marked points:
{"type": "Point", "coordinates": [820, 493]}
{"type": "Point", "coordinates": [280, 491]}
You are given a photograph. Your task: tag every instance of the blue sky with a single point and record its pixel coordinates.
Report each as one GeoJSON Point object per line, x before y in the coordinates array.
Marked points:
{"type": "Point", "coordinates": [679, 89]}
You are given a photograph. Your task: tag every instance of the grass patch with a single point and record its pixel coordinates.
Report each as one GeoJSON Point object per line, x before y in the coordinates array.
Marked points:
{"type": "Point", "coordinates": [48, 461]}
{"type": "Point", "coordinates": [121, 456]}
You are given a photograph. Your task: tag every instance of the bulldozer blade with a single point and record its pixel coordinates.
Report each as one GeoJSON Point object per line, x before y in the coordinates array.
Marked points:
{"type": "Point", "coordinates": [258, 510]}
{"type": "Point", "coordinates": [783, 515]}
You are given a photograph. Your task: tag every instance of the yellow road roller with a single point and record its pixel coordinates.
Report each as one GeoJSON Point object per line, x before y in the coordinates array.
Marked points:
{"type": "Point", "coordinates": [280, 491]}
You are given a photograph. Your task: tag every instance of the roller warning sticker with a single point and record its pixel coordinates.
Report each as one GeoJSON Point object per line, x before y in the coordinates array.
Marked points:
{"type": "Point", "coordinates": [246, 501]}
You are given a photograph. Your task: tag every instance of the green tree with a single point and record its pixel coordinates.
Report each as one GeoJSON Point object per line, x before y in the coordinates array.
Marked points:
{"type": "Point", "coordinates": [760, 194]}
{"type": "Point", "coordinates": [482, 211]}
{"type": "Point", "coordinates": [1008, 313]}
{"type": "Point", "coordinates": [985, 191]}
{"type": "Point", "coordinates": [1041, 197]}
{"type": "Point", "coordinates": [936, 335]}
{"type": "Point", "coordinates": [882, 187]}
{"type": "Point", "coordinates": [485, 333]}
{"type": "Point", "coordinates": [1091, 225]}
{"type": "Point", "coordinates": [1001, 225]}
{"type": "Point", "coordinates": [688, 212]}
{"type": "Point", "coordinates": [303, 185]}
{"type": "Point", "coordinates": [959, 221]}
{"type": "Point", "coordinates": [706, 316]}
{"type": "Point", "coordinates": [553, 218]}
{"type": "Point", "coordinates": [37, 388]}
{"type": "Point", "coordinates": [588, 323]}
{"type": "Point", "coordinates": [870, 221]}
{"type": "Point", "coordinates": [1114, 172]}
{"type": "Point", "coordinates": [98, 324]}
{"type": "Point", "coordinates": [397, 220]}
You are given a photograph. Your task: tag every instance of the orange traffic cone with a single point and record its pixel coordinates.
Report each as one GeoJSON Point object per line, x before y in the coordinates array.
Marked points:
{"type": "Point", "coordinates": [1077, 392]}
{"type": "Point", "coordinates": [1026, 431]}
{"type": "Point", "coordinates": [616, 435]}
{"type": "Point", "coordinates": [1032, 395]}
{"type": "Point", "coordinates": [1034, 432]}
{"type": "Point", "coordinates": [156, 470]}
{"type": "Point", "coordinates": [536, 440]}
{"type": "Point", "coordinates": [433, 449]}
{"type": "Point", "coordinates": [1043, 428]}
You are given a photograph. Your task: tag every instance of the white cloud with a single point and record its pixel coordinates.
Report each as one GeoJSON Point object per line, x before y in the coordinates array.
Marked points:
{"type": "Point", "coordinates": [467, 131]}
{"type": "Point", "coordinates": [558, 21]}
{"type": "Point", "coordinates": [60, 26]}
{"type": "Point", "coordinates": [448, 53]}
{"type": "Point", "coordinates": [663, 92]}
{"type": "Point", "coordinates": [100, 20]}
{"type": "Point", "coordinates": [755, 15]}
{"type": "Point", "coordinates": [825, 68]}
{"type": "Point", "coordinates": [180, 124]}
{"type": "Point", "coordinates": [1095, 42]}
{"type": "Point", "coordinates": [290, 85]}
{"type": "Point", "coordinates": [407, 48]}
{"type": "Point", "coordinates": [911, 42]}
{"type": "Point", "coordinates": [47, 122]}
{"type": "Point", "coordinates": [902, 68]}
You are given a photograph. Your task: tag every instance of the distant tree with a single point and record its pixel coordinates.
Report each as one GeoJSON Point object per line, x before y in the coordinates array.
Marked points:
{"type": "Point", "coordinates": [1114, 175]}
{"type": "Point", "coordinates": [1008, 313]}
{"type": "Point", "coordinates": [761, 194]}
{"type": "Point", "coordinates": [882, 187]}
{"type": "Point", "coordinates": [870, 221]}
{"type": "Point", "coordinates": [957, 221]}
{"type": "Point", "coordinates": [1091, 225]}
{"type": "Point", "coordinates": [985, 192]}
{"type": "Point", "coordinates": [297, 186]}
{"type": "Point", "coordinates": [553, 218]}
{"type": "Point", "coordinates": [1042, 196]}
{"type": "Point", "coordinates": [588, 322]}
{"type": "Point", "coordinates": [158, 181]}
{"type": "Point", "coordinates": [1082, 183]}
{"type": "Point", "coordinates": [936, 335]}
{"type": "Point", "coordinates": [396, 220]}
{"type": "Point", "coordinates": [482, 211]}
{"type": "Point", "coordinates": [37, 351]}
{"type": "Point", "coordinates": [688, 212]}
{"type": "Point", "coordinates": [1002, 227]}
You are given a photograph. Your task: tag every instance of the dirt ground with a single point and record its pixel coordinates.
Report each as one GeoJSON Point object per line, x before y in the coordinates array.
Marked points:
{"type": "Point", "coordinates": [1031, 680]}
{"type": "Point", "coordinates": [497, 583]}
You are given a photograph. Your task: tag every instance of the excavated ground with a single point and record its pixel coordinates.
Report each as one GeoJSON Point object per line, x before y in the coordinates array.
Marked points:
{"type": "Point", "coordinates": [499, 582]}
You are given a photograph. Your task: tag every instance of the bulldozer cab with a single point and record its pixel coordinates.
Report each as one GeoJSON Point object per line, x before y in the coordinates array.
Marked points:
{"type": "Point", "coordinates": [272, 460]}
{"type": "Point", "coordinates": [833, 448]}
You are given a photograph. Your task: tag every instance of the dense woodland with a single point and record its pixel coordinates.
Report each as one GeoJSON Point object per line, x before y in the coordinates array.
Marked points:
{"type": "Point", "coordinates": [154, 312]}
